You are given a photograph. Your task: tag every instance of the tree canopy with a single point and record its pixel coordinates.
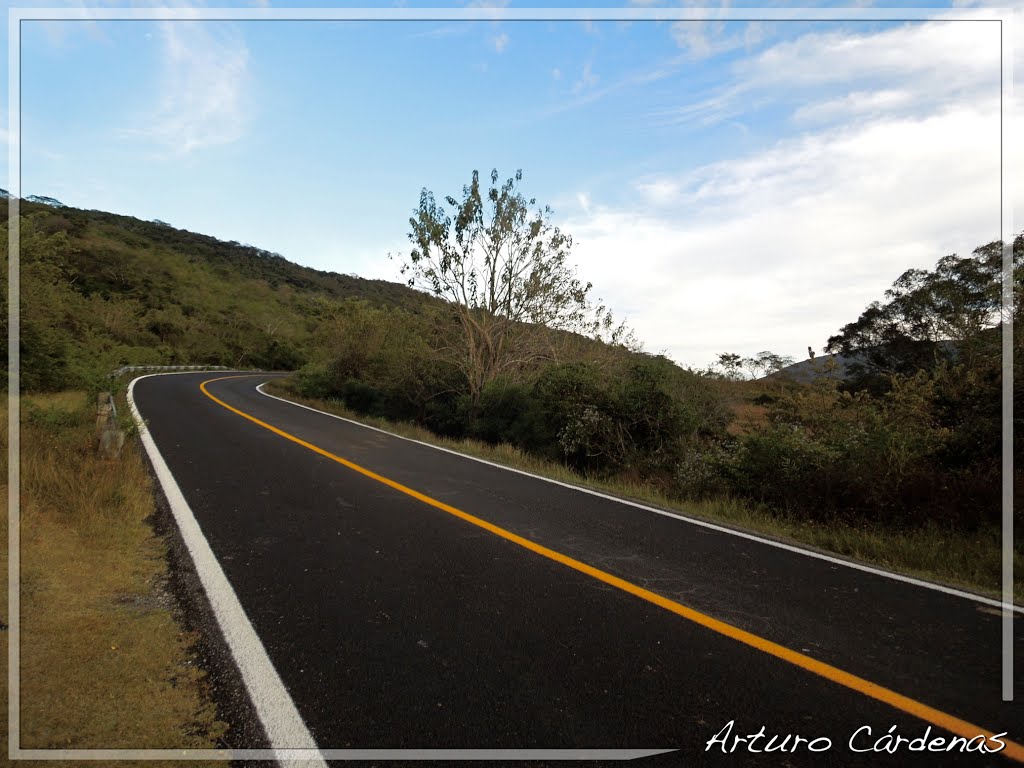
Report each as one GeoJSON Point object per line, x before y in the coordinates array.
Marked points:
{"type": "Point", "coordinates": [504, 269]}
{"type": "Point", "coordinates": [945, 315]}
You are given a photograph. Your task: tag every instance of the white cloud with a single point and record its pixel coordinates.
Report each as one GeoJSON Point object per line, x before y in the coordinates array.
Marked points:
{"type": "Point", "coordinates": [915, 68]}
{"type": "Point", "coordinates": [495, 6]}
{"type": "Point", "coordinates": [1012, 4]}
{"type": "Point", "coordinates": [203, 89]}
{"type": "Point", "coordinates": [779, 249]}
{"type": "Point", "coordinates": [500, 42]}
{"type": "Point", "coordinates": [587, 79]}
{"type": "Point", "coordinates": [857, 103]}
{"type": "Point", "coordinates": [659, 191]}
{"type": "Point", "coordinates": [585, 92]}
{"type": "Point", "coordinates": [701, 39]}
{"type": "Point", "coordinates": [940, 55]}
{"type": "Point", "coordinates": [556, 73]}
{"type": "Point", "coordinates": [693, 37]}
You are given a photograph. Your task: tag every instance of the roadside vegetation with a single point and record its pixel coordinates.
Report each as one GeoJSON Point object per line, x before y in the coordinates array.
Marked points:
{"type": "Point", "coordinates": [930, 551]}
{"type": "Point", "coordinates": [896, 462]}
{"type": "Point", "coordinates": [104, 661]}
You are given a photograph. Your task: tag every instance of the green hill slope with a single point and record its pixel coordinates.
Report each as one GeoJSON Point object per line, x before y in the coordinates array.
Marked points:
{"type": "Point", "coordinates": [101, 290]}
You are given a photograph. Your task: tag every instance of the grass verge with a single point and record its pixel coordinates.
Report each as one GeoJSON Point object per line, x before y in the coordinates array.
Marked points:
{"type": "Point", "coordinates": [965, 560]}
{"type": "Point", "coordinates": [104, 664]}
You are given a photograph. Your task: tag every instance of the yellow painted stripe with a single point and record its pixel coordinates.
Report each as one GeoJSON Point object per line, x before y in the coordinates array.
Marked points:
{"type": "Point", "coordinates": [904, 703]}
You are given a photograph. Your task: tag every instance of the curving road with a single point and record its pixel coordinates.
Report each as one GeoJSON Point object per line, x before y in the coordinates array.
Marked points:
{"type": "Point", "coordinates": [411, 598]}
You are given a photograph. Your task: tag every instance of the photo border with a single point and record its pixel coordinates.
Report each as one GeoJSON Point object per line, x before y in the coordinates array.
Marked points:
{"type": "Point", "coordinates": [17, 15]}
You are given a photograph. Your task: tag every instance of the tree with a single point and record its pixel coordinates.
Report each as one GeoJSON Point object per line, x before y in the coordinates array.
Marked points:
{"type": "Point", "coordinates": [930, 317]}
{"type": "Point", "coordinates": [767, 363]}
{"type": "Point", "coordinates": [731, 365]}
{"type": "Point", "coordinates": [761, 364]}
{"type": "Point", "coordinates": [503, 268]}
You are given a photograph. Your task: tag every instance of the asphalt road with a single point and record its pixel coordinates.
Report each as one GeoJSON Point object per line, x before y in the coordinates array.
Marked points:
{"type": "Point", "coordinates": [394, 623]}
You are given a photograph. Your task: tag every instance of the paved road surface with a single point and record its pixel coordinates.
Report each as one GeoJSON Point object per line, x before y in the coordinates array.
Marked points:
{"type": "Point", "coordinates": [394, 623]}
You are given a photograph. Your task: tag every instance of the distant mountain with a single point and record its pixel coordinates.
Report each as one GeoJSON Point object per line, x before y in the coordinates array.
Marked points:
{"type": "Point", "coordinates": [807, 371]}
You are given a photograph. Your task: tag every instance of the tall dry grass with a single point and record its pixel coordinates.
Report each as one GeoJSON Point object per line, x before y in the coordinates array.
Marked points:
{"type": "Point", "coordinates": [103, 661]}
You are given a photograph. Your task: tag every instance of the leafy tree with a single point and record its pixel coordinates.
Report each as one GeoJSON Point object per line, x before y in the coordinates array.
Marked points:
{"type": "Point", "coordinates": [930, 317]}
{"type": "Point", "coordinates": [766, 363]}
{"type": "Point", "coordinates": [503, 268]}
{"type": "Point", "coordinates": [731, 365]}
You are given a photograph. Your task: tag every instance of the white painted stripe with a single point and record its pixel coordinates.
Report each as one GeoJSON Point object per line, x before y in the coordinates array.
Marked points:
{"type": "Point", "coordinates": [691, 520]}
{"type": "Point", "coordinates": [277, 712]}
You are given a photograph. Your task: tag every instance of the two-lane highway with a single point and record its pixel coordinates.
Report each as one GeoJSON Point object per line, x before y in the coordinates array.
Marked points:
{"type": "Point", "coordinates": [412, 598]}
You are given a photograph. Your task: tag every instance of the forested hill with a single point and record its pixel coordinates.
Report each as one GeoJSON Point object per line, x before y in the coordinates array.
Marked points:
{"type": "Point", "coordinates": [124, 236]}
{"type": "Point", "coordinates": [101, 290]}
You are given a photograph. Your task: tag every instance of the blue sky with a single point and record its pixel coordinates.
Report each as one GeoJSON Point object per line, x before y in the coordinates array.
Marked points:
{"type": "Point", "coordinates": [731, 186]}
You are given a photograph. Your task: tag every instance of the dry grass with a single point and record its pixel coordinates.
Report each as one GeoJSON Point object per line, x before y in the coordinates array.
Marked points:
{"type": "Point", "coordinates": [103, 662]}
{"type": "Point", "coordinates": [969, 561]}
{"type": "Point", "coordinates": [747, 417]}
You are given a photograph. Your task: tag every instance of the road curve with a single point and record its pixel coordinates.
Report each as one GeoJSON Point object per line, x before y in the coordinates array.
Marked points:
{"type": "Point", "coordinates": [394, 622]}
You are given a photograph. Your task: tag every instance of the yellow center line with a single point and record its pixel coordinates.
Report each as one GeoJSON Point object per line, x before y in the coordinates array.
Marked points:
{"type": "Point", "coordinates": [913, 707]}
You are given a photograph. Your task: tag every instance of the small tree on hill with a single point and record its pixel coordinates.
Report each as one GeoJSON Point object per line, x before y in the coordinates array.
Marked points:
{"type": "Point", "coordinates": [731, 365]}
{"type": "Point", "coordinates": [504, 269]}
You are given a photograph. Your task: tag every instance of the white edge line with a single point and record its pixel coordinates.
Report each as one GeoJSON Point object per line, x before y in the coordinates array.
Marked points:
{"type": "Point", "coordinates": [683, 518]}
{"type": "Point", "coordinates": [281, 721]}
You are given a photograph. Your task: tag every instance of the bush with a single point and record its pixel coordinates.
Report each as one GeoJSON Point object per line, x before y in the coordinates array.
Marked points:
{"type": "Point", "coordinates": [507, 413]}
{"type": "Point", "coordinates": [827, 454]}
{"type": "Point", "coordinates": [642, 417]}
{"type": "Point", "coordinates": [315, 380]}
{"type": "Point", "coordinates": [362, 397]}
{"type": "Point", "coordinates": [447, 415]}
{"type": "Point", "coordinates": [706, 470]}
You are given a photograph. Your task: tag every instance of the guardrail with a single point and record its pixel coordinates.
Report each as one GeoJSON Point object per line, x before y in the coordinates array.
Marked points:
{"type": "Point", "coordinates": [134, 368]}
{"type": "Point", "coordinates": [109, 435]}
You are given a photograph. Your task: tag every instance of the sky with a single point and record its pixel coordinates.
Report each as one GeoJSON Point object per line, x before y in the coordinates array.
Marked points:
{"type": "Point", "coordinates": [730, 186]}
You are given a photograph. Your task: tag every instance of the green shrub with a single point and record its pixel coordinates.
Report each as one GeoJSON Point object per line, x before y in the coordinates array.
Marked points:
{"type": "Point", "coordinates": [315, 380]}
{"type": "Point", "coordinates": [507, 413]}
{"type": "Point", "coordinates": [361, 397]}
{"type": "Point", "coordinates": [447, 415]}
{"type": "Point", "coordinates": [889, 458]}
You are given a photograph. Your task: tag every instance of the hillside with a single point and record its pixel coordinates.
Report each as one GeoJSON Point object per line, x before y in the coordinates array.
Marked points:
{"type": "Point", "coordinates": [808, 370]}
{"type": "Point", "coordinates": [844, 367]}
{"type": "Point", "coordinates": [100, 290]}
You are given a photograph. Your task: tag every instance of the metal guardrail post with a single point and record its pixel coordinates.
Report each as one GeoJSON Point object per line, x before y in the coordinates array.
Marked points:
{"type": "Point", "coordinates": [109, 437]}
